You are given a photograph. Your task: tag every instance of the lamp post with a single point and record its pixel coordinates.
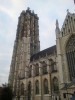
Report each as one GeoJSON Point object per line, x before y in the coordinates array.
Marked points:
{"type": "Point", "coordinates": [29, 91]}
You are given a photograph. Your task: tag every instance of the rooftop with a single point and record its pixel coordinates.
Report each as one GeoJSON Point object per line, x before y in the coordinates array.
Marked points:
{"type": "Point", "coordinates": [43, 53]}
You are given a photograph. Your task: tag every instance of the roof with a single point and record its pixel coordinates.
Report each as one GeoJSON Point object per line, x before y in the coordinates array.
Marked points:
{"type": "Point", "coordinates": [68, 85]}
{"type": "Point", "coordinates": [43, 53]}
{"type": "Point", "coordinates": [69, 16]}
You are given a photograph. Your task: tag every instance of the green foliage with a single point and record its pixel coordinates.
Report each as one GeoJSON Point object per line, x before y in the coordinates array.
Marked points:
{"type": "Point", "coordinates": [6, 93]}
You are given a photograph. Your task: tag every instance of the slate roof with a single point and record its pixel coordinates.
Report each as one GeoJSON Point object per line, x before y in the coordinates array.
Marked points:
{"type": "Point", "coordinates": [43, 53]}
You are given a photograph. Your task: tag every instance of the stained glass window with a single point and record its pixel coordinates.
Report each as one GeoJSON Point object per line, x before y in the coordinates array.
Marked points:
{"type": "Point", "coordinates": [37, 87]}
{"type": "Point", "coordinates": [70, 53]}
{"type": "Point", "coordinates": [55, 85]}
{"type": "Point", "coordinates": [46, 91]}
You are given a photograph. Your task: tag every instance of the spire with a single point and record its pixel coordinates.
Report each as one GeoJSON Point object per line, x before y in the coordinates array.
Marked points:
{"type": "Point", "coordinates": [22, 13]}
{"type": "Point", "coordinates": [68, 13]}
{"type": "Point", "coordinates": [28, 10]}
{"type": "Point", "coordinates": [67, 10]}
{"type": "Point", "coordinates": [57, 30]}
{"type": "Point", "coordinates": [57, 24]}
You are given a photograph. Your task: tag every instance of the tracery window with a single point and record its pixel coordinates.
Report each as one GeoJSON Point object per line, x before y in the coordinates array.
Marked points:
{"type": "Point", "coordinates": [22, 89]}
{"type": "Point", "coordinates": [14, 89]}
{"type": "Point", "coordinates": [53, 66]}
{"type": "Point", "coordinates": [46, 86]}
{"type": "Point", "coordinates": [70, 53]}
{"type": "Point", "coordinates": [44, 68]}
{"type": "Point", "coordinates": [36, 70]}
{"type": "Point", "coordinates": [30, 71]}
{"type": "Point", "coordinates": [22, 74]}
{"type": "Point", "coordinates": [29, 90]}
{"type": "Point", "coordinates": [55, 85]}
{"type": "Point", "coordinates": [37, 87]}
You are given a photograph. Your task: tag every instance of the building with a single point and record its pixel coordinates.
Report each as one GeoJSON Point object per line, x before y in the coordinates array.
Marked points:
{"type": "Point", "coordinates": [46, 74]}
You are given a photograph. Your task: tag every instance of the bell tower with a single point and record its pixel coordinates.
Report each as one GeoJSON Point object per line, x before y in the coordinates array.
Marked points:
{"type": "Point", "coordinates": [29, 28]}
{"type": "Point", "coordinates": [26, 44]}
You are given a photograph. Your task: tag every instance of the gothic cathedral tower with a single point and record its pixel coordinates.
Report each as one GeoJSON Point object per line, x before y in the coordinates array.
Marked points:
{"type": "Point", "coordinates": [26, 44]}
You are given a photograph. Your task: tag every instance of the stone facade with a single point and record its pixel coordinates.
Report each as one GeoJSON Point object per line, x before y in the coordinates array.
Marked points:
{"type": "Point", "coordinates": [42, 75]}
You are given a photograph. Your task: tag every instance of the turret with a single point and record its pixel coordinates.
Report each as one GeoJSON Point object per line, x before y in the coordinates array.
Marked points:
{"type": "Point", "coordinates": [57, 30]}
{"type": "Point", "coordinates": [26, 44]}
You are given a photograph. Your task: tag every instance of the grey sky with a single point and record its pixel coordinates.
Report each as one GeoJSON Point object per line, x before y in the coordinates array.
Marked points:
{"type": "Point", "coordinates": [48, 11]}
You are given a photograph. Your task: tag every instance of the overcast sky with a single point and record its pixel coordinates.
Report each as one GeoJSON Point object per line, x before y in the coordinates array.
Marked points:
{"type": "Point", "coordinates": [48, 11]}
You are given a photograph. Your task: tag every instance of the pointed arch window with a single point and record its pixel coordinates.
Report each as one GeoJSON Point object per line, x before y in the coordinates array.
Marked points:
{"type": "Point", "coordinates": [55, 85]}
{"type": "Point", "coordinates": [45, 83]}
{"type": "Point", "coordinates": [53, 67]}
{"type": "Point", "coordinates": [70, 54]}
{"type": "Point", "coordinates": [44, 68]}
{"type": "Point", "coordinates": [30, 71]}
{"type": "Point", "coordinates": [37, 87]}
{"type": "Point", "coordinates": [29, 90]}
{"type": "Point", "coordinates": [36, 70]}
{"type": "Point", "coordinates": [22, 89]}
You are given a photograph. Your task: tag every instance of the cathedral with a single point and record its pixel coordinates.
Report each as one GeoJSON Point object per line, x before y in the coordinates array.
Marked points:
{"type": "Point", "coordinates": [43, 75]}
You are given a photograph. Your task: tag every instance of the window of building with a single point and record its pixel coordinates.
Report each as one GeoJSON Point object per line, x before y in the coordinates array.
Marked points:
{"type": "Point", "coordinates": [29, 90]}
{"type": "Point", "coordinates": [67, 21]}
{"type": "Point", "coordinates": [37, 87]}
{"type": "Point", "coordinates": [55, 98]}
{"type": "Point", "coordinates": [36, 70]}
{"type": "Point", "coordinates": [55, 85]}
{"type": "Point", "coordinates": [30, 71]}
{"type": "Point", "coordinates": [71, 18]}
{"type": "Point", "coordinates": [70, 53]}
{"type": "Point", "coordinates": [53, 66]}
{"type": "Point", "coordinates": [62, 33]}
{"type": "Point", "coordinates": [64, 95]}
{"type": "Point", "coordinates": [44, 68]}
{"type": "Point", "coordinates": [22, 74]}
{"type": "Point", "coordinates": [22, 89]}
{"type": "Point", "coordinates": [69, 30]}
{"type": "Point", "coordinates": [45, 86]}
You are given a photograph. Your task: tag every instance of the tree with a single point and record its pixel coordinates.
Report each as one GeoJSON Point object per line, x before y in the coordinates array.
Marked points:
{"type": "Point", "coordinates": [6, 93]}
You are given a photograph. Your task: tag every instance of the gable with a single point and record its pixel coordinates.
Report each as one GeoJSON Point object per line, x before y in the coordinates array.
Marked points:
{"type": "Point", "coordinates": [69, 24]}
